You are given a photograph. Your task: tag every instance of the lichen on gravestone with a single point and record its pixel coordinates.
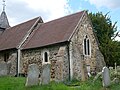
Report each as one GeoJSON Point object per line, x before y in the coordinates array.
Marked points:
{"type": "Point", "coordinates": [32, 75]}
{"type": "Point", "coordinates": [106, 77]}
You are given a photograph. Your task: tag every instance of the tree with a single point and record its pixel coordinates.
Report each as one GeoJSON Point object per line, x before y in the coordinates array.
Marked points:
{"type": "Point", "coordinates": [105, 31]}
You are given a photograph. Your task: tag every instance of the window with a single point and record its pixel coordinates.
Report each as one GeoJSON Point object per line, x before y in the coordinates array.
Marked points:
{"type": "Point", "coordinates": [86, 46]}
{"type": "Point", "coordinates": [6, 57]}
{"type": "Point", "coordinates": [45, 57]}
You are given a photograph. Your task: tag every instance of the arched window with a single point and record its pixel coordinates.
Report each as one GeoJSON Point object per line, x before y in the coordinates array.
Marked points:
{"type": "Point", "coordinates": [86, 46]}
{"type": "Point", "coordinates": [45, 57]}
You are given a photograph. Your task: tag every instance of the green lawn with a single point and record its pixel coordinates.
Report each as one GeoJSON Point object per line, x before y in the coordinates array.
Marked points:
{"type": "Point", "coordinates": [18, 83]}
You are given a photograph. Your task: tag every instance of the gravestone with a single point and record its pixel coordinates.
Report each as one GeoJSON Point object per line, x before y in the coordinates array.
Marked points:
{"type": "Point", "coordinates": [45, 77]}
{"type": "Point", "coordinates": [106, 77]}
{"type": "Point", "coordinates": [33, 75]}
{"type": "Point", "coordinates": [3, 69]}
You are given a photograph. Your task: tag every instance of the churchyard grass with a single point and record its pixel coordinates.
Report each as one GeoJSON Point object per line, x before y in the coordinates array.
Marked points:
{"type": "Point", "coordinates": [18, 83]}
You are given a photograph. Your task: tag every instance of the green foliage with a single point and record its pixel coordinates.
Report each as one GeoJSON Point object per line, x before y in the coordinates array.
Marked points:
{"type": "Point", "coordinates": [105, 31]}
{"type": "Point", "coordinates": [115, 74]}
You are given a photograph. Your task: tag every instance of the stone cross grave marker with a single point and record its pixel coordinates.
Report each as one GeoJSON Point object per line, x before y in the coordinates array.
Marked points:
{"type": "Point", "coordinates": [106, 77]}
{"type": "Point", "coordinates": [115, 68]}
{"type": "Point", "coordinates": [33, 75]}
{"type": "Point", "coordinates": [3, 69]}
{"type": "Point", "coordinates": [45, 77]}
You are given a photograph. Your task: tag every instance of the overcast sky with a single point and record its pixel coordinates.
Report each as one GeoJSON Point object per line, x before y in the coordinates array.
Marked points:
{"type": "Point", "coordinates": [21, 10]}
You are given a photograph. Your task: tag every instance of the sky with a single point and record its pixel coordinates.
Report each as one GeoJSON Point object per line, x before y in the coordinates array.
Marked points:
{"type": "Point", "coordinates": [19, 11]}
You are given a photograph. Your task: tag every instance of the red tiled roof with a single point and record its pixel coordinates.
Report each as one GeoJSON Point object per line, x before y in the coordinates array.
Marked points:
{"type": "Point", "coordinates": [14, 35]}
{"type": "Point", "coordinates": [55, 31]}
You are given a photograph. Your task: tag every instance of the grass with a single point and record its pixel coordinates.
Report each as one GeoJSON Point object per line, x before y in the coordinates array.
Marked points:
{"type": "Point", "coordinates": [18, 83]}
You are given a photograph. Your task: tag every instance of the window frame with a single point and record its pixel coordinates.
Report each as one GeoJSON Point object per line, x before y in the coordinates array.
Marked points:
{"type": "Point", "coordinates": [86, 46]}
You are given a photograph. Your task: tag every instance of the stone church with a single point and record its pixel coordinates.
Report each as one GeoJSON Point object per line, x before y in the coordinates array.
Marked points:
{"type": "Point", "coordinates": [68, 44]}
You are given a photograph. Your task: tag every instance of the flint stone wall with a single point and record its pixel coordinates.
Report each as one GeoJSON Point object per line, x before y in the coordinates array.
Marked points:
{"type": "Point", "coordinates": [11, 62]}
{"type": "Point", "coordinates": [76, 45]}
{"type": "Point", "coordinates": [36, 56]}
{"type": "Point", "coordinates": [1, 57]}
{"type": "Point", "coordinates": [3, 69]}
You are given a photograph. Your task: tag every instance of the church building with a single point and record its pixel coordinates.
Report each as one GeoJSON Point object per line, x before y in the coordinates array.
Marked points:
{"type": "Point", "coordinates": [68, 44]}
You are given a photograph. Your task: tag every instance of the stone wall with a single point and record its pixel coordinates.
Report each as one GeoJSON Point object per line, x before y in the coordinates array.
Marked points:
{"type": "Point", "coordinates": [36, 56]}
{"type": "Point", "coordinates": [11, 61]}
{"type": "Point", "coordinates": [76, 49]}
{"type": "Point", "coordinates": [1, 57]}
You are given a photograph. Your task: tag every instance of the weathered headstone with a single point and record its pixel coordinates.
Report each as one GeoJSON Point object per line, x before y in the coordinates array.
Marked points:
{"type": "Point", "coordinates": [45, 77]}
{"type": "Point", "coordinates": [3, 69]}
{"type": "Point", "coordinates": [106, 77]}
{"type": "Point", "coordinates": [33, 75]}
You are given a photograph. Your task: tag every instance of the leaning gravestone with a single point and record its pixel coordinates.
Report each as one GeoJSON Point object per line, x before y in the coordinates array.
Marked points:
{"type": "Point", "coordinates": [45, 78]}
{"type": "Point", "coordinates": [3, 69]}
{"type": "Point", "coordinates": [106, 77]}
{"type": "Point", "coordinates": [33, 75]}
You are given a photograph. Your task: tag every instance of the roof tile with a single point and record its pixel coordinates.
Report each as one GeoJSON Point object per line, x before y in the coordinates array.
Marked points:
{"type": "Point", "coordinates": [13, 35]}
{"type": "Point", "coordinates": [55, 31]}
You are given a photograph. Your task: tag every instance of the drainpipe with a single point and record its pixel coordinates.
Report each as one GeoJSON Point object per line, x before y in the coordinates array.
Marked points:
{"type": "Point", "coordinates": [69, 61]}
{"type": "Point", "coordinates": [18, 61]}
